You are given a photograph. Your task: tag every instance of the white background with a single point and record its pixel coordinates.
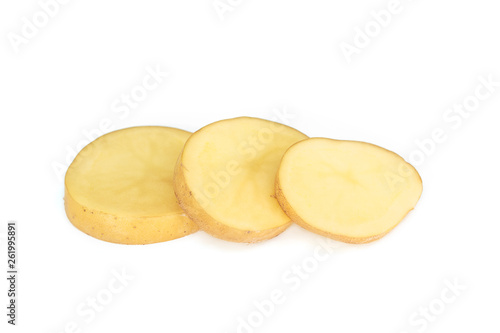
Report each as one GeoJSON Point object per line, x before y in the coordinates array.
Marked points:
{"type": "Point", "coordinates": [264, 55]}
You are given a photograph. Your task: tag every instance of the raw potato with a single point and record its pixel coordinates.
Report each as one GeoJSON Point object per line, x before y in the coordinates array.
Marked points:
{"type": "Point", "coordinates": [350, 191]}
{"type": "Point", "coordinates": [224, 178]}
{"type": "Point", "coordinates": [119, 187]}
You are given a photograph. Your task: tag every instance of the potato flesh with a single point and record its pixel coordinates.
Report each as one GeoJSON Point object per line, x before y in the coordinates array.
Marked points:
{"type": "Point", "coordinates": [128, 175]}
{"type": "Point", "coordinates": [230, 167]}
{"type": "Point", "coordinates": [352, 191]}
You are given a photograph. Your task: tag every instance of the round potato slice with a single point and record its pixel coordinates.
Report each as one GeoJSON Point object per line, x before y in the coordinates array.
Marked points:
{"type": "Point", "coordinates": [119, 187]}
{"type": "Point", "coordinates": [224, 178]}
{"type": "Point", "coordinates": [350, 191]}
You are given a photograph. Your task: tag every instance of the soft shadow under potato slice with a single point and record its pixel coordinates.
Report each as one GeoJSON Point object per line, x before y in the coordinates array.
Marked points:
{"type": "Point", "coordinates": [350, 191]}
{"type": "Point", "coordinates": [224, 178]}
{"type": "Point", "coordinates": [119, 187]}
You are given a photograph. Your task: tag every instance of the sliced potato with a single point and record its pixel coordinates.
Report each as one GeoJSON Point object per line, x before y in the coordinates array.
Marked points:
{"type": "Point", "coordinates": [119, 187]}
{"type": "Point", "coordinates": [350, 191]}
{"type": "Point", "coordinates": [224, 178]}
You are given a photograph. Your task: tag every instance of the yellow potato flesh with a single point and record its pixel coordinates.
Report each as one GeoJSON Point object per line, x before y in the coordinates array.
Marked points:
{"type": "Point", "coordinates": [225, 178]}
{"type": "Point", "coordinates": [119, 187]}
{"type": "Point", "coordinates": [350, 191]}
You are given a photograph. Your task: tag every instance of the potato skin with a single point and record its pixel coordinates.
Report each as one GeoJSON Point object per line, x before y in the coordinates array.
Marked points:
{"type": "Point", "coordinates": [127, 230]}
{"type": "Point", "coordinates": [207, 223]}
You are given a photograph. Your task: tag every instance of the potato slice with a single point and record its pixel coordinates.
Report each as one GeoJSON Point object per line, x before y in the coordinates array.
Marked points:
{"type": "Point", "coordinates": [224, 178]}
{"type": "Point", "coordinates": [119, 187]}
{"type": "Point", "coordinates": [350, 191]}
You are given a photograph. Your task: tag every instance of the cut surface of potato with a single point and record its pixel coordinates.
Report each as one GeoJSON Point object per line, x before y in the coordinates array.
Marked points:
{"type": "Point", "coordinates": [350, 191]}
{"type": "Point", "coordinates": [224, 178]}
{"type": "Point", "coordinates": [119, 187]}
